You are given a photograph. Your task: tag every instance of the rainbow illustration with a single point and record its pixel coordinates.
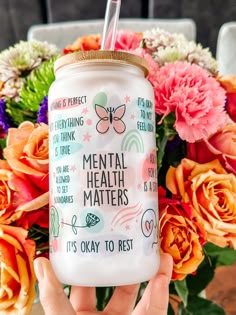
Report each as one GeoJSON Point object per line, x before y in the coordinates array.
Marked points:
{"type": "Point", "coordinates": [133, 141]}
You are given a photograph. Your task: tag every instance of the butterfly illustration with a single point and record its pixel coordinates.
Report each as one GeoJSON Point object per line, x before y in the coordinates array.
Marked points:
{"type": "Point", "coordinates": [110, 117]}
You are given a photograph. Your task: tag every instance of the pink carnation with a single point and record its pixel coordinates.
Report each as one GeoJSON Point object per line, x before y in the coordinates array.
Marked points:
{"type": "Point", "coordinates": [196, 99]}
{"type": "Point", "coordinates": [126, 40]}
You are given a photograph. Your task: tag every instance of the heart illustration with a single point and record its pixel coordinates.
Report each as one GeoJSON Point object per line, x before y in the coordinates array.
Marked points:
{"type": "Point", "coordinates": [148, 222]}
{"type": "Point", "coordinates": [149, 226]}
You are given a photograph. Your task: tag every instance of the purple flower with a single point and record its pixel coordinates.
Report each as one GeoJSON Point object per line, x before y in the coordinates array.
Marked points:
{"type": "Point", "coordinates": [4, 119]}
{"type": "Point", "coordinates": [43, 111]}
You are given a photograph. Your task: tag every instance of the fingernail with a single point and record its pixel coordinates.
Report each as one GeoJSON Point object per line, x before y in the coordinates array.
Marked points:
{"type": "Point", "coordinates": [38, 268]}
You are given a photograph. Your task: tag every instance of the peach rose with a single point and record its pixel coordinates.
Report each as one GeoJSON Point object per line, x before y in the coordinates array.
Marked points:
{"type": "Point", "coordinates": [17, 281]}
{"type": "Point", "coordinates": [180, 237]}
{"type": "Point", "coordinates": [220, 145]}
{"type": "Point", "coordinates": [27, 152]}
{"type": "Point", "coordinates": [211, 191]}
{"type": "Point", "coordinates": [17, 194]}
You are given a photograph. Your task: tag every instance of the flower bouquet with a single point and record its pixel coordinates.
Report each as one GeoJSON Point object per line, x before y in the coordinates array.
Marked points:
{"type": "Point", "coordinates": [195, 136]}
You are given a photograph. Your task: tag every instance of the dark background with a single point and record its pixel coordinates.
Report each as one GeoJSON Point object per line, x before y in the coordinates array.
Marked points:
{"type": "Point", "coordinates": [17, 16]}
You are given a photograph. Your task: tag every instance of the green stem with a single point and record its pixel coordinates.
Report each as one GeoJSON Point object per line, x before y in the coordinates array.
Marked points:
{"type": "Point", "coordinates": [161, 150]}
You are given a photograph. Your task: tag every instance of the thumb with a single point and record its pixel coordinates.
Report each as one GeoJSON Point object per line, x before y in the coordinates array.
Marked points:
{"type": "Point", "coordinates": [51, 293]}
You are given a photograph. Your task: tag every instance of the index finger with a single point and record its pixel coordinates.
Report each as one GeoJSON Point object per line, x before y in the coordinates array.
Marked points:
{"type": "Point", "coordinates": [51, 293]}
{"type": "Point", "coordinates": [156, 296]}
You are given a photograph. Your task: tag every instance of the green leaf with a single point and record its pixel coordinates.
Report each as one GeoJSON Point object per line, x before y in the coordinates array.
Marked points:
{"type": "Point", "coordinates": [18, 113]}
{"type": "Point", "coordinates": [161, 145]}
{"type": "Point", "coordinates": [168, 125]}
{"type": "Point", "coordinates": [205, 273]}
{"type": "Point", "coordinates": [183, 311]}
{"type": "Point", "coordinates": [164, 132]}
{"type": "Point", "coordinates": [182, 290]}
{"type": "Point", "coordinates": [2, 144]}
{"type": "Point", "coordinates": [103, 295]}
{"type": "Point", "coordinates": [200, 306]}
{"type": "Point", "coordinates": [37, 85]}
{"type": "Point", "coordinates": [142, 288]}
{"type": "Point", "coordinates": [225, 256]}
{"type": "Point", "coordinates": [40, 236]}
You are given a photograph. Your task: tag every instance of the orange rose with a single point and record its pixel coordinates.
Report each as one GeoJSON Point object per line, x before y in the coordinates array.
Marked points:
{"type": "Point", "coordinates": [39, 217]}
{"type": "Point", "coordinates": [228, 82]}
{"type": "Point", "coordinates": [27, 152]}
{"type": "Point", "coordinates": [220, 145]}
{"type": "Point", "coordinates": [17, 194]}
{"type": "Point", "coordinates": [88, 42]}
{"type": "Point", "coordinates": [180, 237]}
{"type": "Point", "coordinates": [17, 281]}
{"type": "Point", "coordinates": [5, 193]}
{"type": "Point", "coordinates": [211, 191]}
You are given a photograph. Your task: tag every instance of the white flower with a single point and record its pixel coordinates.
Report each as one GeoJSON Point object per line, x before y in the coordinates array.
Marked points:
{"type": "Point", "coordinates": [168, 47]}
{"type": "Point", "coordinates": [12, 87]}
{"type": "Point", "coordinates": [24, 56]}
{"type": "Point", "coordinates": [19, 60]}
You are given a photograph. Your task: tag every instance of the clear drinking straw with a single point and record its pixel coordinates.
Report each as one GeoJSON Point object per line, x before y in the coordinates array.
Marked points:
{"type": "Point", "coordinates": [110, 24]}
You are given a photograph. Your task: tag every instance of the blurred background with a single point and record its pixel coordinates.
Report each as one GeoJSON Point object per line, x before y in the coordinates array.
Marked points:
{"type": "Point", "coordinates": [17, 16]}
